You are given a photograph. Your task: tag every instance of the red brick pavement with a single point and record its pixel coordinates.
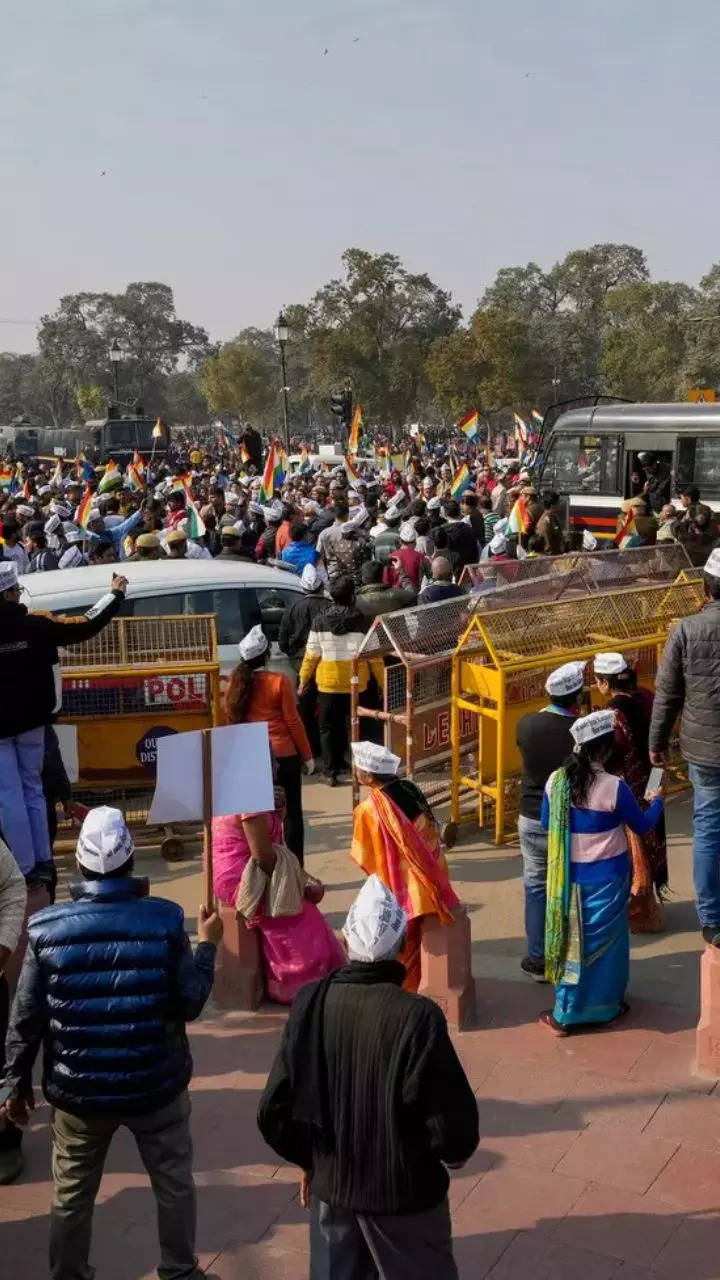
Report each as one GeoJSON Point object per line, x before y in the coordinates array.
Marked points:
{"type": "Point", "coordinates": [600, 1159]}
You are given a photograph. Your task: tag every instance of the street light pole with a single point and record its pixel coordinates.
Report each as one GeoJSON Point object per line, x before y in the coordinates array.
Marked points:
{"type": "Point", "coordinates": [281, 335]}
{"type": "Point", "coordinates": [115, 358]}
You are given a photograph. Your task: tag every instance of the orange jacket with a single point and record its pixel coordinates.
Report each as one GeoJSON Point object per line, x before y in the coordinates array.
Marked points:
{"type": "Point", "coordinates": [273, 699]}
{"type": "Point", "coordinates": [282, 539]}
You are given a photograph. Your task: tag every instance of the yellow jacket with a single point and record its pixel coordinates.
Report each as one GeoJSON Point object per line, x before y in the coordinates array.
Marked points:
{"type": "Point", "coordinates": [331, 646]}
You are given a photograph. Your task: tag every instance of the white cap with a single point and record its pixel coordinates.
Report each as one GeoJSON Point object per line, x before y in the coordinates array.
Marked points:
{"type": "Point", "coordinates": [596, 725]}
{"type": "Point", "coordinates": [8, 574]}
{"type": "Point", "coordinates": [253, 644]}
{"type": "Point", "coordinates": [566, 679]}
{"type": "Point", "coordinates": [434, 504]}
{"type": "Point", "coordinates": [375, 922]}
{"type": "Point", "coordinates": [24, 510]}
{"type": "Point", "coordinates": [44, 490]}
{"type": "Point", "coordinates": [71, 558]}
{"type": "Point", "coordinates": [273, 511]}
{"type": "Point", "coordinates": [609, 664]}
{"type": "Point", "coordinates": [712, 564]}
{"type": "Point", "coordinates": [52, 525]}
{"type": "Point", "coordinates": [427, 482]}
{"type": "Point", "coordinates": [407, 532]}
{"type": "Point", "coordinates": [498, 544]}
{"type": "Point", "coordinates": [257, 508]}
{"type": "Point", "coordinates": [310, 578]}
{"type": "Point", "coordinates": [373, 758]}
{"type": "Point", "coordinates": [589, 541]}
{"type": "Point", "coordinates": [60, 509]}
{"type": "Point", "coordinates": [104, 843]}
{"type": "Point", "coordinates": [73, 534]}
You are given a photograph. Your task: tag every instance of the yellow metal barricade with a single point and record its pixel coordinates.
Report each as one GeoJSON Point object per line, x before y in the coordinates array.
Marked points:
{"type": "Point", "coordinates": [504, 657]}
{"type": "Point", "coordinates": [137, 681]}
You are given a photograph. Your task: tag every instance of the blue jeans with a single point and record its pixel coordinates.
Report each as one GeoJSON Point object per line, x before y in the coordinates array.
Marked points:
{"type": "Point", "coordinates": [705, 781]}
{"type": "Point", "coordinates": [23, 815]}
{"type": "Point", "coordinates": [533, 846]}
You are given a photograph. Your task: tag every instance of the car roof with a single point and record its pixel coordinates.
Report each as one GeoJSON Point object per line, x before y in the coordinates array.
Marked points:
{"type": "Point", "coordinates": [86, 584]}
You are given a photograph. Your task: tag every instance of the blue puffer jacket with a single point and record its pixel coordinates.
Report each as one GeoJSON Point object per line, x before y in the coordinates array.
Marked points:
{"type": "Point", "coordinates": [108, 983]}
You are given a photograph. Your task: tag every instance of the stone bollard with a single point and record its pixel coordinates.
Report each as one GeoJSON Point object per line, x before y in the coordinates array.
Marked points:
{"type": "Point", "coordinates": [446, 968]}
{"type": "Point", "coordinates": [708, 1032]}
{"type": "Point", "coordinates": [239, 979]}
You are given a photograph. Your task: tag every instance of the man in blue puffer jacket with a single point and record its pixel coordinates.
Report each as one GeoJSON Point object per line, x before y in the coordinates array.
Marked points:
{"type": "Point", "coordinates": [108, 983]}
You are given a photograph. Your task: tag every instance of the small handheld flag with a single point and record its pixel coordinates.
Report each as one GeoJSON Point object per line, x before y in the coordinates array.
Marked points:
{"type": "Point", "coordinates": [57, 475]}
{"type": "Point", "coordinates": [519, 520]}
{"type": "Point", "coordinates": [158, 430]}
{"type": "Point", "coordinates": [194, 524]}
{"type": "Point", "coordinates": [460, 480]}
{"type": "Point", "coordinates": [352, 474]}
{"type": "Point", "coordinates": [469, 424]}
{"type": "Point", "coordinates": [110, 477]}
{"type": "Point", "coordinates": [355, 428]}
{"type": "Point", "coordinates": [521, 431]}
{"type": "Point", "coordinates": [244, 455]}
{"type": "Point", "coordinates": [6, 476]}
{"type": "Point", "coordinates": [537, 417]}
{"type": "Point", "coordinates": [267, 488]}
{"type": "Point", "coordinates": [82, 515]}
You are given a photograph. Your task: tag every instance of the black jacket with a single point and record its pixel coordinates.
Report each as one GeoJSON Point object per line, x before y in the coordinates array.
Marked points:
{"type": "Point", "coordinates": [29, 667]}
{"type": "Point", "coordinates": [462, 541]}
{"type": "Point", "coordinates": [375, 598]}
{"type": "Point", "coordinates": [398, 1101]}
{"type": "Point", "coordinates": [108, 983]}
{"type": "Point", "coordinates": [296, 623]}
{"type": "Point", "coordinates": [688, 679]}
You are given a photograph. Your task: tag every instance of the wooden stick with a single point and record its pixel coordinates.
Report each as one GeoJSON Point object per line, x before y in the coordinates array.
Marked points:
{"type": "Point", "coordinates": [209, 898]}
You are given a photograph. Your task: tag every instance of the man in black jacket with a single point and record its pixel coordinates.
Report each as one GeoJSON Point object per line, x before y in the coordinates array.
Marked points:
{"type": "Point", "coordinates": [108, 983]}
{"type": "Point", "coordinates": [295, 626]}
{"type": "Point", "coordinates": [368, 1098]}
{"type": "Point", "coordinates": [688, 680]}
{"type": "Point", "coordinates": [461, 540]}
{"type": "Point", "coordinates": [30, 696]}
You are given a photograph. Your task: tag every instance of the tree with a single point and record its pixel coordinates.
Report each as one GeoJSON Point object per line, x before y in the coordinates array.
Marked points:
{"type": "Point", "coordinates": [184, 399]}
{"type": "Point", "coordinates": [647, 339]}
{"type": "Point", "coordinates": [91, 401]}
{"type": "Point", "coordinates": [240, 380]}
{"type": "Point", "coordinates": [376, 326]}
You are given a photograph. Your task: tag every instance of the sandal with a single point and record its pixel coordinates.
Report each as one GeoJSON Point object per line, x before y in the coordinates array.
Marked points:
{"type": "Point", "coordinates": [557, 1029]}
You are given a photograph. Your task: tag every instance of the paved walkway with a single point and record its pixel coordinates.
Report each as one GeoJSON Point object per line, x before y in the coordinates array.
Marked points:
{"type": "Point", "coordinates": [600, 1156]}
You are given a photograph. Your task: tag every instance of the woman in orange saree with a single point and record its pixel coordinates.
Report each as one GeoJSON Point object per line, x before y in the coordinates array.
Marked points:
{"type": "Point", "coordinates": [396, 837]}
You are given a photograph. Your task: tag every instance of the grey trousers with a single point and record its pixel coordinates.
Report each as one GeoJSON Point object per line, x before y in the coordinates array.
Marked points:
{"type": "Point", "coordinates": [78, 1156]}
{"type": "Point", "coordinates": [359, 1246]}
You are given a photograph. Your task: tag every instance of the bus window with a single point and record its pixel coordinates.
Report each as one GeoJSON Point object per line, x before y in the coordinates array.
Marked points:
{"type": "Point", "coordinates": [707, 462]}
{"type": "Point", "coordinates": [685, 468]}
{"type": "Point", "coordinates": [575, 465]}
{"type": "Point", "coordinates": [612, 481]}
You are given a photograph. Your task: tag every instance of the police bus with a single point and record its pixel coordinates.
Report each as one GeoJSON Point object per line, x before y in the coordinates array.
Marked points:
{"type": "Point", "coordinates": [593, 456]}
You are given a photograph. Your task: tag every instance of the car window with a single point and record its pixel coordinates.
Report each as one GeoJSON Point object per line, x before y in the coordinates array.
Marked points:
{"type": "Point", "coordinates": [271, 604]}
{"type": "Point", "coordinates": [158, 606]}
{"type": "Point", "coordinates": [225, 604]}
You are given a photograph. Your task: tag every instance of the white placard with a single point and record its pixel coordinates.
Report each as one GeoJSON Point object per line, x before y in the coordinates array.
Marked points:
{"type": "Point", "coordinates": [68, 741]}
{"type": "Point", "coordinates": [241, 774]}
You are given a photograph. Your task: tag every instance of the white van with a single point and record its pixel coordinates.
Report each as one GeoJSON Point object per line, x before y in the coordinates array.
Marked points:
{"type": "Point", "coordinates": [240, 595]}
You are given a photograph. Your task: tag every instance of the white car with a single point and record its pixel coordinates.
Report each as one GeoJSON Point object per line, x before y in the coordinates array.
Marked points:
{"type": "Point", "coordinates": [240, 595]}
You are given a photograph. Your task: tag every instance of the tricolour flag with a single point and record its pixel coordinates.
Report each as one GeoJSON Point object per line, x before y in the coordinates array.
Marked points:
{"type": "Point", "coordinates": [6, 477]}
{"type": "Point", "coordinates": [537, 417]}
{"type": "Point", "coordinates": [304, 458]}
{"type": "Point", "coordinates": [519, 520]}
{"type": "Point", "coordinates": [82, 515]}
{"type": "Point", "coordinates": [139, 462]}
{"type": "Point", "coordinates": [133, 478]}
{"type": "Point", "coordinates": [521, 431]}
{"type": "Point", "coordinates": [624, 535]}
{"type": "Point", "coordinates": [194, 524]}
{"type": "Point", "coordinates": [158, 430]}
{"type": "Point", "coordinates": [110, 477]}
{"type": "Point", "coordinates": [352, 475]}
{"type": "Point", "coordinates": [280, 467]}
{"type": "Point", "coordinates": [181, 483]}
{"type": "Point", "coordinates": [460, 480]}
{"type": "Point", "coordinates": [355, 427]}
{"type": "Point", "coordinates": [267, 488]}
{"type": "Point", "coordinates": [469, 424]}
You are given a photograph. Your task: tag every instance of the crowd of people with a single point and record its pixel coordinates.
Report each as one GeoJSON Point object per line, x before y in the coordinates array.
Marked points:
{"type": "Point", "coordinates": [366, 1096]}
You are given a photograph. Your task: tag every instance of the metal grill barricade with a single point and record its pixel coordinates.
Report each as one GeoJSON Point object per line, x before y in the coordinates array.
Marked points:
{"type": "Point", "coordinates": [504, 657]}
{"type": "Point", "coordinates": [600, 570]}
{"type": "Point", "coordinates": [139, 680]}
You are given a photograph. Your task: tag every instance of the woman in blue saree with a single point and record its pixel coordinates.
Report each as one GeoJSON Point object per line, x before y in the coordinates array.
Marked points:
{"type": "Point", "coordinates": [587, 938]}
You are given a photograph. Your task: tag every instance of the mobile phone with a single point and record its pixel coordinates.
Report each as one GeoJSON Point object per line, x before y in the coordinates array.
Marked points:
{"type": "Point", "coordinates": [655, 780]}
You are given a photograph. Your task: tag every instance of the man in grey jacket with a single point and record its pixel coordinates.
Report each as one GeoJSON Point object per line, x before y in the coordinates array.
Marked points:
{"type": "Point", "coordinates": [688, 680]}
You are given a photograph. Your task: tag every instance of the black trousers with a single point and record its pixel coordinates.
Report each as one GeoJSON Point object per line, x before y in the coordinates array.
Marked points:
{"type": "Point", "coordinates": [363, 1246]}
{"type": "Point", "coordinates": [334, 711]}
{"type": "Point", "coordinates": [289, 776]}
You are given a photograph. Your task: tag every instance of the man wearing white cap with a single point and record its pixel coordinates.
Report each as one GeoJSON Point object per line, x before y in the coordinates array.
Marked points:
{"type": "Point", "coordinates": [367, 1097]}
{"type": "Point", "coordinates": [544, 740]}
{"type": "Point", "coordinates": [405, 567]}
{"type": "Point", "coordinates": [108, 983]}
{"type": "Point", "coordinates": [688, 681]}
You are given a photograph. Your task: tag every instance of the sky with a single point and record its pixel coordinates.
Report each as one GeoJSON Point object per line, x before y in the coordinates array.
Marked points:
{"type": "Point", "coordinates": [216, 146]}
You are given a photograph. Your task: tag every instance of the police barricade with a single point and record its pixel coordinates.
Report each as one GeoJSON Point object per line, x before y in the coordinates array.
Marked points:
{"type": "Point", "coordinates": [600, 570]}
{"type": "Point", "coordinates": [504, 657]}
{"type": "Point", "coordinates": [416, 646]}
{"type": "Point", "coordinates": [137, 681]}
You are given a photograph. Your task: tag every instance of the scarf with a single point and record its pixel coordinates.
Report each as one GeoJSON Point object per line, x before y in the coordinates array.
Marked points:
{"type": "Point", "coordinates": [563, 935]}
{"type": "Point", "coordinates": [308, 1061]}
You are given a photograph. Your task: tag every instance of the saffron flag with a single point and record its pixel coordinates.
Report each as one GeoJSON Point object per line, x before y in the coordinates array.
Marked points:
{"type": "Point", "coordinates": [519, 520]}
{"type": "Point", "coordinates": [460, 480]}
{"type": "Point", "coordinates": [537, 417]}
{"type": "Point", "coordinates": [624, 535]}
{"type": "Point", "coordinates": [244, 455]}
{"type": "Point", "coordinates": [26, 492]}
{"type": "Point", "coordinates": [280, 467]}
{"type": "Point", "coordinates": [110, 477]}
{"type": "Point", "coordinates": [469, 424]}
{"type": "Point", "coordinates": [133, 477]}
{"type": "Point", "coordinates": [181, 483]}
{"type": "Point", "coordinates": [82, 515]}
{"type": "Point", "coordinates": [304, 458]}
{"type": "Point", "coordinates": [352, 474]}
{"type": "Point", "coordinates": [139, 463]}
{"type": "Point", "coordinates": [158, 430]}
{"type": "Point", "coordinates": [355, 427]}
{"type": "Point", "coordinates": [521, 431]}
{"type": "Point", "coordinates": [6, 476]}
{"type": "Point", "coordinates": [267, 488]}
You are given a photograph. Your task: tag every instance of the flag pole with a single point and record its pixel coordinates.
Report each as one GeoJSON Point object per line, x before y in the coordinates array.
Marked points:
{"type": "Point", "coordinates": [209, 894]}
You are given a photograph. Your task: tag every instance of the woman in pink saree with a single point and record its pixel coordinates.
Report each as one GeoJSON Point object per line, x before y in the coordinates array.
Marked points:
{"type": "Point", "coordinates": [255, 872]}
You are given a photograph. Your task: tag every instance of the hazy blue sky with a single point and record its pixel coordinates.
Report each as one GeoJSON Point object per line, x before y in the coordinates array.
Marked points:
{"type": "Point", "coordinates": [241, 160]}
